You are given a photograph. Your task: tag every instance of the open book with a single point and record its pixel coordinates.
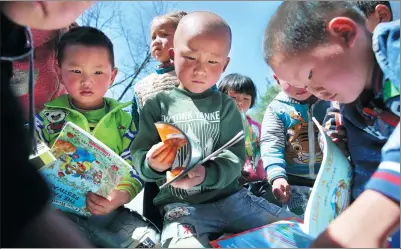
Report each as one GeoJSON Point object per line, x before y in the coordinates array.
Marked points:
{"type": "Point", "coordinates": [176, 138]}
{"type": "Point", "coordinates": [82, 164]}
{"type": "Point", "coordinates": [329, 197]}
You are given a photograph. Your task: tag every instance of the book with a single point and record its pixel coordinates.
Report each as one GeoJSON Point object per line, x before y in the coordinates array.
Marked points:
{"type": "Point", "coordinates": [178, 140]}
{"type": "Point", "coordinates": [42, 156]}
{"type": "Point", "coordinates": [82, 164]}
{"type": "Point", "coordinates": [330, 196]}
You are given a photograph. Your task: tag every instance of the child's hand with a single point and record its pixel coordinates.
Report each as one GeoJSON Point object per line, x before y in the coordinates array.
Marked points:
{"type": "Point", "coordinates": [281, 190]}
{"type": "Point", "coordinates": [99, 205]}
{"type": "Point", "coordinates": [194, 178]}
{"type": "Point", "coordinates": [161, 156]}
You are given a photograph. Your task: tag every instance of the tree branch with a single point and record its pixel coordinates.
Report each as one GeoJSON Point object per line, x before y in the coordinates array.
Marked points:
{"type": "Point", "coordinates": [141, 67]}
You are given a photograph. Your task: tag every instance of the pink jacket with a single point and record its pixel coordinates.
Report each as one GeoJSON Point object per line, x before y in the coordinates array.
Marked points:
{"type": "Point", "coordinates": [260, 173]}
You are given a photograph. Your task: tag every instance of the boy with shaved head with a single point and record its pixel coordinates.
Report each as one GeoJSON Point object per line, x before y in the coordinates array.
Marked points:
{"type": "Point", "coordinates": [210, 199]}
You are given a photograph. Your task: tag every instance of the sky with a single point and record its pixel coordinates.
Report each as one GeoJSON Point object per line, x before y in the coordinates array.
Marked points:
{"type": "Point", "coordinates": [247, 20]}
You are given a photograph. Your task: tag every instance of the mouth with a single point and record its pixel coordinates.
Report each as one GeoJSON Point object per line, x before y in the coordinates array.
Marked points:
{"type": "Point", "coordinates": [332, 98]}
{"type": "Point", "coordinates": [86, 93]}
{"type": "Point", "coordinates": [198, 82]}
{"type": "Point", "coordinates": [301, 93]}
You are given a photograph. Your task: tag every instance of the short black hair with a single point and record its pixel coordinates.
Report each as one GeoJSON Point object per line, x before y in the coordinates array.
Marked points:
{"type": "Point", "coordinates": [87, 36]}
{"type": "Point", "coordinates": [368, 7]}
{"type": "Point", "coordinates": [301, 26]}
{"type": "Point", "coordinates": [238, 83]}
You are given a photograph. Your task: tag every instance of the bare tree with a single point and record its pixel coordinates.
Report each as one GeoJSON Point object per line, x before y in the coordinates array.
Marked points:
{"type": "Point", "coordinates": [127, 24]}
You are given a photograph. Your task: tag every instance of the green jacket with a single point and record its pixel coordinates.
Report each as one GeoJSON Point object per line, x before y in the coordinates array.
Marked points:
{"type": "Point", "coordinates": [209, 118]}
{"type": "Point", "coordinates": [115, 129]}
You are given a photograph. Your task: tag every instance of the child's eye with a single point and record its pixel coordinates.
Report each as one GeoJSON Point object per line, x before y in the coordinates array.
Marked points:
{"type": "Point", "coordinates": [153, 38]}
{"type": "Point", "coordinates": [75, 71]}
{"type": "Point", "coordinates": [189, 58]}
{"type": "Point", "coordinates": [213, 62]}
{"type": "Point", "coordinates": [164, 35]}
{"type": "Point", "coordinates": [98, 72]}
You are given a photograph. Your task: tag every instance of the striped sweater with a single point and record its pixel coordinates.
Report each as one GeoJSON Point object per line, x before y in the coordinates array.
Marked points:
{"type": "Point", "coordinates": [289, 138]}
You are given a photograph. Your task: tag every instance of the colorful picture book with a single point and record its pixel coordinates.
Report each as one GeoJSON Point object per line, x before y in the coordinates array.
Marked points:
{"type": "Point", "coordinates": [329, 197]}
{"type": "Point", "coordinates": [83, 164]}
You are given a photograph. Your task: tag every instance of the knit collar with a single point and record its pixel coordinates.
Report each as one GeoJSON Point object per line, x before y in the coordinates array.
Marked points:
{"type": "Point", "coordinates": [165, 68]}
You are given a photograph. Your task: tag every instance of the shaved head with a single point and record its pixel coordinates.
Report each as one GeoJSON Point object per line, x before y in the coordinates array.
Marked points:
{"type": "Point", "coordinates": [203, 23]}
{"type": "Point", "coordinates": [202, 43]}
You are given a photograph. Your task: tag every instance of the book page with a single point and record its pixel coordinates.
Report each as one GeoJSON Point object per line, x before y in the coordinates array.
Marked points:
{"type": "Point", "coordinates": [331, 192]}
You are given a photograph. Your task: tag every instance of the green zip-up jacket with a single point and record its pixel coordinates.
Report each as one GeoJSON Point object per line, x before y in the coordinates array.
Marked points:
{"type": "Point", "coordinates": [115, 129]}
{"type": "Point", "coordinates": [209, 118]}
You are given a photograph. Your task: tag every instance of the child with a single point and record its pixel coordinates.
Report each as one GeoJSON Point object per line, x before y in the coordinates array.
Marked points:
{"type": "Point", "coordinates": [86, 68]}
{"type": "Point", "coordinates": [162, 29]}
{"type": "Point", "coordinates": [210, 199]}
{"type": "Point", "coordinates": [376, 12]}
{"type": "Point", "coordinates": [290, 150]}
{"type": "Point", "coordinates": [243, 91]}
{"type": "Point", "coordinates": [338, 63]}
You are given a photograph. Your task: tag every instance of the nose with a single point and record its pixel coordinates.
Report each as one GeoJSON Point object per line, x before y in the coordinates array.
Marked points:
{"type": "Point", "coordinates": [86, 81]}
{"type": "Point", "coordinates": [200, 69]}
{"type": "Point", "coordinates": [156, 42]}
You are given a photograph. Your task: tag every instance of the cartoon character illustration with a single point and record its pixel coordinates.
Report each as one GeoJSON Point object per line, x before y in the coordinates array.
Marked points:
{"type": "Point", "coordinates": [56, 118]}
{"type": "Point", "coordinates": [297, 146]}
{"type": "Point", "coordinates": [62, 147]}
{"type": "Point", "coordinates": [81, 155]}
{"type": "Point", "coordinates": [97, 177]}
{"type": "Point", "coordinates": [340, 198]}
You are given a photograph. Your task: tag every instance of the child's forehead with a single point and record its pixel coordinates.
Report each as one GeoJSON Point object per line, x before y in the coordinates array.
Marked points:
{"type": "Point", "coordinates": [77, 54]}
{"type": "Point", "coordinates": [162, 24]}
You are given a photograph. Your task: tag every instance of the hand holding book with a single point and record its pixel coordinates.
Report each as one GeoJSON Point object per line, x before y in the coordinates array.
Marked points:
{"type": "Point", "coordinates": [98, 205]}
{"type": "Point", "coordinates": [195, 177]}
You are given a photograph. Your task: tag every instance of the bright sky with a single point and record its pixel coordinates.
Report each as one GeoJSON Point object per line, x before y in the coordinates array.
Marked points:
{"type": "Point", "coordinates": [247, 20]}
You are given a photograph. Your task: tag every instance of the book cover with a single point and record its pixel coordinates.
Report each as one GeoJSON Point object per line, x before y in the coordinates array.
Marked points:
{"type": "Point", "coordinates": [281, 234]}
{"type": "Point", "coordinates": [82, 164]}
{"type": "Point", "coordinates": [178, 140]}
{"type": "Point", "coordinates": [329, 197]}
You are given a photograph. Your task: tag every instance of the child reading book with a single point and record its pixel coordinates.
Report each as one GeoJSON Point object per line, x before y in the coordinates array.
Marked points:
{"type": "Point", "coordinates": [289, 143]}
{"type": "Point", "coordinates": [338, 63]}
{"type": "Point", "coordinates": [209, 199]}
{"type": "Point", "coordinates": [86, 68]}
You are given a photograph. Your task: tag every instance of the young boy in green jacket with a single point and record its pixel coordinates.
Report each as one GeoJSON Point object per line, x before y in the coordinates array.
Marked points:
{"type": "Point", "coordinates": [86, 68]}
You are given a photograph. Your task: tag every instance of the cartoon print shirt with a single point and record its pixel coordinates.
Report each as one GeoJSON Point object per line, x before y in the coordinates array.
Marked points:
{"type": "Point", "coordinates": [289, 139]}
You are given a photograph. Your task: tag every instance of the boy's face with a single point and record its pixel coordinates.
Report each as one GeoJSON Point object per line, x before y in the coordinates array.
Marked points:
{"type": "Point", "coordinates": [162, 35]}
{"type": "Point", "coordinates": [293, 92]}
{"type": "Point", "coordinates": [87, 73]}
{"type": "Point", "coordinates": [200, 59]}
{"type": "Point", "coordinates": [338, 70]}
{"type": "Point", "coordinates": [44, 14]}
{"type": "Point", "coordinates": [242, 100]}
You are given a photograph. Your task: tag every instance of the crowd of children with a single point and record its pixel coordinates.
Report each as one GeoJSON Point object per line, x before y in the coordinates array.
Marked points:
{"type": "Point", "coordinates": [346, 75]}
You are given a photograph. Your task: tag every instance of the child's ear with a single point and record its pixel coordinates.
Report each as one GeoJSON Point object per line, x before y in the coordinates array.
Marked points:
{"type": "Point", "coordinates": [276, 78]}
{"type": "Point", "coordinates": [225, 66]}
{"type": "Point", "coordinates": [171, 54]}
{"type": "Point", "coordinates": [113, 75]}
{"type": "Point", "coordinates": [383, 12]}
{"type": "Point", "coordinates": [344, 29]}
